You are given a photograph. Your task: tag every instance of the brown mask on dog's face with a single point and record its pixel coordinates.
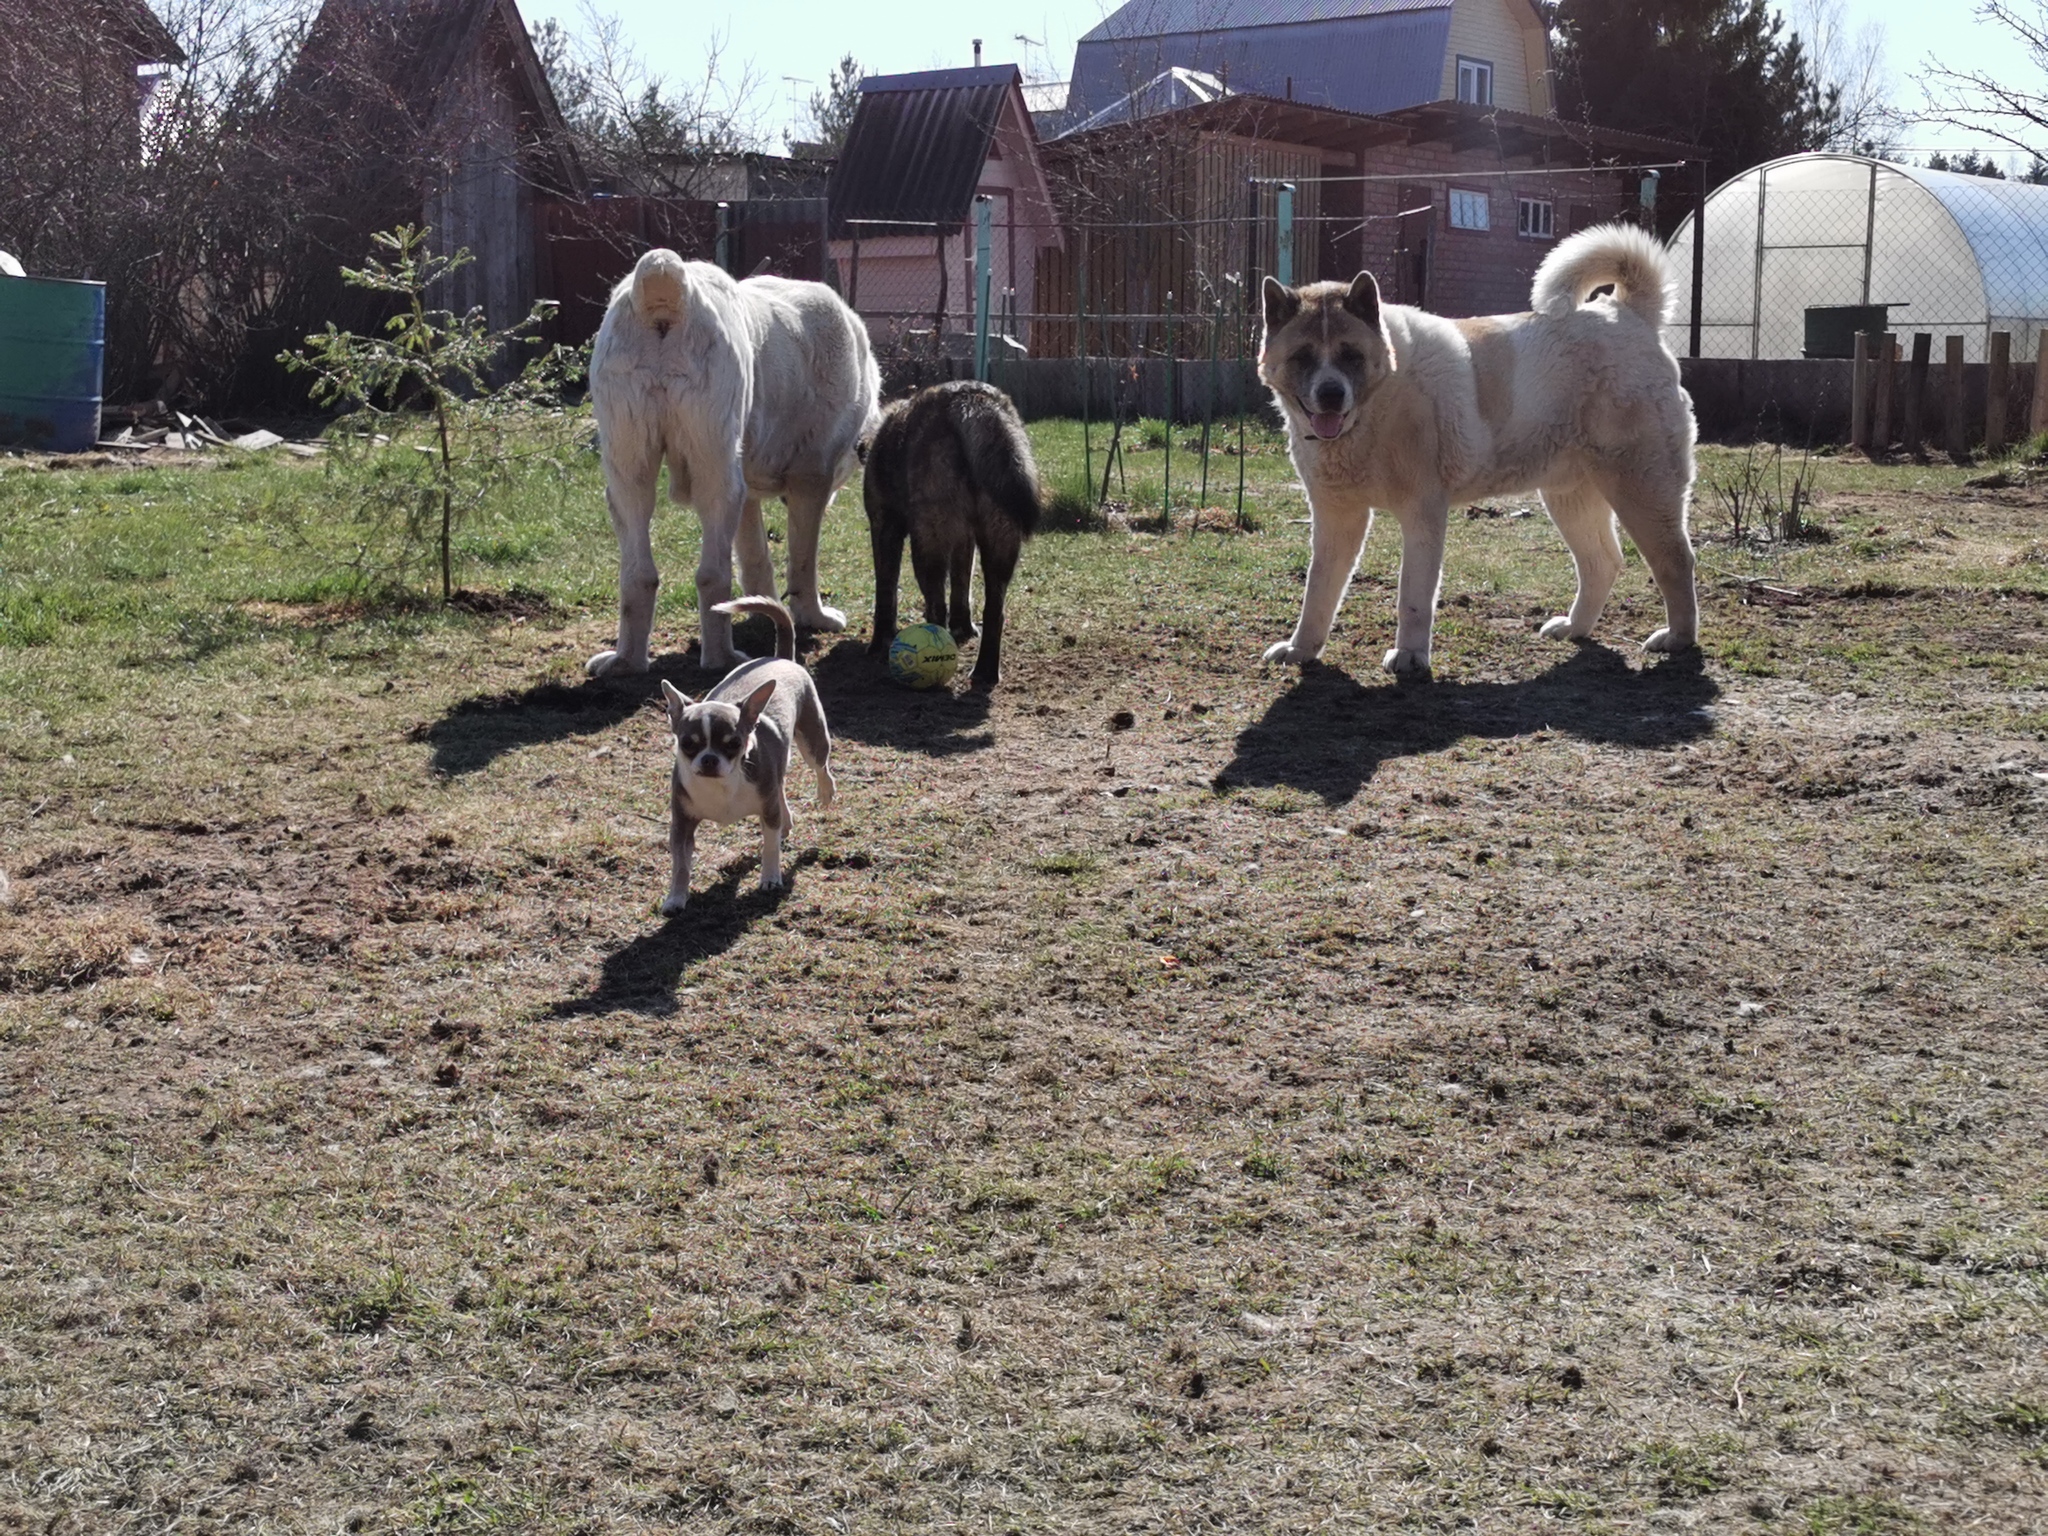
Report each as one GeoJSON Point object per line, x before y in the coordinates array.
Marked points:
{"type": "Point", "coordinates": [1324, 351]}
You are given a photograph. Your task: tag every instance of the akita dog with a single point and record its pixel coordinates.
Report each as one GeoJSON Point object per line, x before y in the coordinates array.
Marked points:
{"type": "Point", "coordinates": [1389, 407]}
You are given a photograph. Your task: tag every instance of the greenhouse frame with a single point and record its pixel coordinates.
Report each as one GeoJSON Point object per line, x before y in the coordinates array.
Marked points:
{"type": "Point", "coordinates": [1949, 254]}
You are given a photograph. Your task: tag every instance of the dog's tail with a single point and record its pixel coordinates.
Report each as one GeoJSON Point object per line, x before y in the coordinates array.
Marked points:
{"type": "Point", "coordinates": [660, 289]}
{"type": "Point", "coordinates": [769, 608]}
{"type": "Point", "coordinates": [1000, 455]}
{"type": "Point", "coordinates": [1629, 258]}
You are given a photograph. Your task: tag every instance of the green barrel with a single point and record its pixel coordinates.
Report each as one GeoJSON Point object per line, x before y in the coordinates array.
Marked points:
{"type": "Point", "coordinates": [53, 343]}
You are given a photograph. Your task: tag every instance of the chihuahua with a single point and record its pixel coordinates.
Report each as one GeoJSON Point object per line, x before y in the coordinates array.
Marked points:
{"type": "Point", "coordinates": [732, 751]}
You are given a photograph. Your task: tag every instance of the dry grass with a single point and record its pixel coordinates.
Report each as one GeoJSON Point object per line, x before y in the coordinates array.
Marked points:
{"type": "Point", "coordinates": [1571, 1092]}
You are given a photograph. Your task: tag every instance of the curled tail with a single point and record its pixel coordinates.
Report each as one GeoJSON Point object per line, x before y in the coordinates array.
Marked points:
{"type": "Point", "coordinates": [765, 607]}
{"type": "Point", "coordinates": [660, 289]}
{"type": "Point", "coordinates": [1000, 454]}
{"type": "Point", "coordinates": [1629, 258]}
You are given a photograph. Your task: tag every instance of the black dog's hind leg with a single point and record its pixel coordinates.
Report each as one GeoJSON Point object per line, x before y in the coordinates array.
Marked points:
{"type": "Point", "coordinates": [887, 543]}
{"type": "Point", "coordinates": [960, 616]}
{"type": "Point", "coordinates": [929, 566]}
{"type": "Point", "coordinates": [995, 584]}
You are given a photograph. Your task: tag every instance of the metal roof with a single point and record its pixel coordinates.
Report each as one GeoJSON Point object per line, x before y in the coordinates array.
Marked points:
{"type": "Point", "coordinates": [1164, 18]}
{"type": "Point", "coordinates": [1361, 62]}
{"type": "Point", "coordinates": [1168, 91]}
{"type": "Point", "coordinates": [917, 145]}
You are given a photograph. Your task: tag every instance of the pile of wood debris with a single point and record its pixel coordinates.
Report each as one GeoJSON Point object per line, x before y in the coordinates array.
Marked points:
{"type": "Point", "coordinates": [153, 427]}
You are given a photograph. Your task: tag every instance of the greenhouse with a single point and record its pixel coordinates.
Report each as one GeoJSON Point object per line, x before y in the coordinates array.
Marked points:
{"type": "Point", "coordinates": [1790, 245]}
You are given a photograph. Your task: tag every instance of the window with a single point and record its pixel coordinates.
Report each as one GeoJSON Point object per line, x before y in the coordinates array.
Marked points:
{"type": "Point", "coordinates": [1469, 210]}
{"type": "Point", "coordinates": [1475, 81]}
{"type": "Point", "coordinates": [1536, 218]}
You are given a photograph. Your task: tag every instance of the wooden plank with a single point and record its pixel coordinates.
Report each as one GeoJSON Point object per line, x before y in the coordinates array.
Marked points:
{"type": "Point", "coordinates": [1997, 392]}
{"type": "Point", "coordinates": [1887, 366]}
{"type": "Point", "coordinates": [1956, 438]}
{"type": "Point", "coordinates": [1859, 395]}
{"type": "Point", "coordinates": [2037, 418]}
{"type": "Point", "coordinates": [1916, 393]}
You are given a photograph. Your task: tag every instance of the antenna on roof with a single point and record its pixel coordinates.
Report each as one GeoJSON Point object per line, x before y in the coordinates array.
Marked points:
{"type": "Point", "coordinates": [977, 53]}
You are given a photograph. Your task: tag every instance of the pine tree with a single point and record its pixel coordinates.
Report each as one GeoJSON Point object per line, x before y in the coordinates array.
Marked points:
{"type": "Point", "coordinates": [1722, 74]}
{"type": "Point", "coordinates": [833, 107]}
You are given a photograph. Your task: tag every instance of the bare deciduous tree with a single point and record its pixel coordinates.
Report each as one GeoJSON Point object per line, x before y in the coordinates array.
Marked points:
{"type": "Point", "coordinates": [2005, 108]}
{"type": "Point", "coordinates": [1849, 61]}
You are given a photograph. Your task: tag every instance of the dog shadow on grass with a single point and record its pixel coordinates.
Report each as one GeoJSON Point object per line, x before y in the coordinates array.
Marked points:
{"type": "Point", "coordinates": [643, 975]}
{"type": "Point", "coordinates": [863, 705]}
{"type": "Point", "coordinates": [1329, 733]}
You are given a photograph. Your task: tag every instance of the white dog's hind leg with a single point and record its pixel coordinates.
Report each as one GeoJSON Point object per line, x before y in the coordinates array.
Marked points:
{"type": "Point", "coordinates": [1334, 542]}
{"type": "Point", "coordinates": [720, 509]}
{"type": "Point", "coordinates": [629, 494]}
{"type": "Point", "coordinates": [1422, 574]}
{"type": "Point", "coordinates": [1654, 516]}
{"type": "Point", "coordinates": [757, 566]}
{"type": "Point", "coordinates": [807, 506]}
{"type": "Point", "coordinates": [1586, 522]}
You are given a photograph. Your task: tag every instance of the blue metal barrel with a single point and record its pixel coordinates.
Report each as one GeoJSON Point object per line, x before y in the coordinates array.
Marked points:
{"type": "Point", "coordinates": [53, 343]}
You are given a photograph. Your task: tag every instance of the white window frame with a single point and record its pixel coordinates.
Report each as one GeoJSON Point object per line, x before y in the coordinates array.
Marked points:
{"type": "Point", "coordinates": [1471, 210]}
{"type": "Point", "coordinates": [1480, 73]}
{"type": "Point", "coordinates": [1536, 218]}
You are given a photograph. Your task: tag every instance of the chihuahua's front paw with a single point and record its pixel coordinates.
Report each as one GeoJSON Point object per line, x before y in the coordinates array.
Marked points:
{"type": "Point", "coordinates": [1290, 654]}
{"type": "Point", "coordinates": [674, 902]}
{"type": "Point", "coordinates": [613, 664]}
{"type": "Point", "coordinates": [1403, 661]}
{"type": "Point", "coordinates": [813, 614]}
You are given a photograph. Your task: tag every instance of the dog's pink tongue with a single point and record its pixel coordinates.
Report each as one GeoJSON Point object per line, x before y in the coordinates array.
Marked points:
{"type": "Point", "coordinates": [1326, 423]}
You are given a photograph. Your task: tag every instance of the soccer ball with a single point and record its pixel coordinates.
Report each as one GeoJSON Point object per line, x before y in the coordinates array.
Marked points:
{"type": "Point", "coordinates": [923, 656]}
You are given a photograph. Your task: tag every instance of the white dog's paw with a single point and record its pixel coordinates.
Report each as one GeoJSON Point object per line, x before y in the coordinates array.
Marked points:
{"type": "Point", "coordinates": [816, 615]}
{"type": "Point", "coordinates": [1559, 628]}
{"type": "Point", "coordinates": [771, 882]}
{"type": "Point", "coordinates": [613, 664]}
{"type": "Point", "coordinates": [1404, 662]}
{"type": "Point", "coordinates": [674, 902]}
{"type": "Point", "coordinates": [1287, 653]}
{"type": "Point", "coordinates": [1668, 643]}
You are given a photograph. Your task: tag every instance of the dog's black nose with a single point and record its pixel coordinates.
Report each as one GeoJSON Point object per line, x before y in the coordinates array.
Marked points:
{"type": "Point", "coordinates": [1330, 397]}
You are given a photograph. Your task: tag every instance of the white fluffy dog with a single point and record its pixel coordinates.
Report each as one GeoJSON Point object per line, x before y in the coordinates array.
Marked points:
{"type": "Point", "coordinates": [748, 389]}
{"type": "Point", "coordinates": [1390, 407]}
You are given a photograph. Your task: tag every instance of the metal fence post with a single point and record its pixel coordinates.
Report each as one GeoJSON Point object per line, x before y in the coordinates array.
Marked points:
{"type": "Point", "coordinates": [1699, 256]}
{"type": "Point", "coordinates": [1240, 404]}
{"type": "Point", "coordinates": [1081, 357]}
{"type": "Point", "coordinates": [724, 245]}
{"type": "Point", "coordinates": [982, 277]}
{"type": "Point", "coordinates": [1166, 490]}
{"type": "Point", "coordinates": [1284, 243]}
{"type": "Point", "coordinates": [1209, 398]}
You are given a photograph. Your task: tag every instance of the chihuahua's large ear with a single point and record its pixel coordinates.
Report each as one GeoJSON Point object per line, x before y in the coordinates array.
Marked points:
{"type": "Point", "coordinates": [675, 698]}
{"type": "Point", "coordinates": [1282, 303]}
{"type": "Point", "coordinates": [750, 710]}
{"type": "Point", "coordinates": [1364, 299]}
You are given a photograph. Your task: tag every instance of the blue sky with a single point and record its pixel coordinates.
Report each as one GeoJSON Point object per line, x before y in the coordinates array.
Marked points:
{"type": "Point", "coordinates": [790, 46]}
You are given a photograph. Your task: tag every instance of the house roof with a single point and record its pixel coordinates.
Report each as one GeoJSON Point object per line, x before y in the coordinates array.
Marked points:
{"type": "Point", "coordinates": [1165, 18]}
{"type": "Point", "coordinates": [1457, 124]}
{"type": "Point", "coordinates": [914, 154]}
{"type": "Point", "coordinates": [1167, 91]}
{"type": "Point", "coordinates": [363, 54]}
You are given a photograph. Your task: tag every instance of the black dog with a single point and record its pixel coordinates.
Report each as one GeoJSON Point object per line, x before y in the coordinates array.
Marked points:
{"type": "Point", "coordinates": [951, 470]}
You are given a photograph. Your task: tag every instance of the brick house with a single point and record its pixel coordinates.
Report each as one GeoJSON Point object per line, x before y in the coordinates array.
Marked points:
{"type": "Point", "coordinates": [1441, 169]}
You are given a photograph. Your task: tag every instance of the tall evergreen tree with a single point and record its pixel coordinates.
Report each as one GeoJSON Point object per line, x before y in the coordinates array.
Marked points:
{"type": "Point", "coordinates": [1722, 74]}
{"type": "Point", "coordinates": [833, 107]}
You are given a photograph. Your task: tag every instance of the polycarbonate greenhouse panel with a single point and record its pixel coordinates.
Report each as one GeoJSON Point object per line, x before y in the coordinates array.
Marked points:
{"type": "Point", "coordinates": [1957, 255]}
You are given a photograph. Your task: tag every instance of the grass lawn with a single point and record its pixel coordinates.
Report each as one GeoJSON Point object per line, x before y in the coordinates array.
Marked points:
{"type": "Point", "coordinates": [1171, 1095]}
